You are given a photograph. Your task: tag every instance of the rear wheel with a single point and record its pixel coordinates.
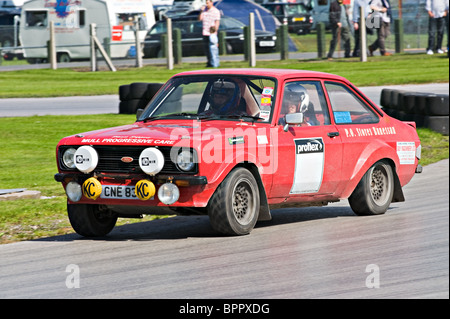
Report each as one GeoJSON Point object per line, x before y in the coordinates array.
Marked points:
{"type": "Point", "coordinates": [63, 57]}
{"type": "Point", "coordinates": [234, 207]}
{"type": "Point", "coordinates": [373, 194]}
{"type": "Point", "coordinates": [89, 220]}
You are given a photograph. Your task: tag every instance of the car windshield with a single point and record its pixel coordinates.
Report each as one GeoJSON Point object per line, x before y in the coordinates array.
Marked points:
{"type": "Point", "coordinates": [229, 97]}
{"type": "Point", "coordinates": [295, 8]}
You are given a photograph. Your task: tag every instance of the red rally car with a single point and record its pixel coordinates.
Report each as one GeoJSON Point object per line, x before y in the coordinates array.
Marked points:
{"type": "Point", "coordinates": [235, 143]}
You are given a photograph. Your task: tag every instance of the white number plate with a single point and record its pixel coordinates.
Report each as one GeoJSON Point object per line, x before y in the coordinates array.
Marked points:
{"type": "Point", "coordinates": [267, 43]}
{"type": "Point", "coordinates": [118, 192]}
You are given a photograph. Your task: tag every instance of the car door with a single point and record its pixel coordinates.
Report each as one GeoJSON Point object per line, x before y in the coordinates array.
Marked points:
{"type": "Point", "coordinates": [309, 155]}
{"type": "Point", "coordinates": [357, 123]}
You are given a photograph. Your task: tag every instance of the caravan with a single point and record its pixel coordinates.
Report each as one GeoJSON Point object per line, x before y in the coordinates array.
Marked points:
{"type": "Point", "coordinates": [114, 19]}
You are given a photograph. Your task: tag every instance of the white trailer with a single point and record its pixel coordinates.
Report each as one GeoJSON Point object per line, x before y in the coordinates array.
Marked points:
{"type": "Point", "coordinates": [114, 19]}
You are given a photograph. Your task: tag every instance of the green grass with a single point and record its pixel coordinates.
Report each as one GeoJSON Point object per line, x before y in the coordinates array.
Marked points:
{"type": "Point", "coordinates": [27, 160]}
{"type": "Point", "coordinates": [409, 69]}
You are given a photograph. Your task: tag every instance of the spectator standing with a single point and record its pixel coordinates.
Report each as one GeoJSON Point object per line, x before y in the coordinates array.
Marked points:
{"type": "Point", "coordinates": [356, 23]}
{"type": "Point", "coordinates": [383, 7]}
{"type": "Point", "coordinates": [340, 26]}
{"type": "Point", "coordinates": [437, 13]}
{"type": "Point", "coordinates": [210, 17]}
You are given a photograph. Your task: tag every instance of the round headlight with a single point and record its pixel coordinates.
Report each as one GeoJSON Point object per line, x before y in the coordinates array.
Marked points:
{"type": "Point", "coordinates": [151, 161]}
{"type": "Point", "coordinates": [69, 158]}
{"type": "Point", "coordinates": [73, 191]}
{"type": "Point", "coordinates": [168, 193]}
{"type": "Point", "coordinates": [185, 161]}
{"type": "Point", "coordinates": [86, 159]}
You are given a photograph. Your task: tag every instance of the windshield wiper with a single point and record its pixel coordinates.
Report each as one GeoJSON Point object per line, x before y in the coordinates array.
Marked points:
{"type": "Point", "coordinates": [152, 118]}
{"type": "Point", "coordinates": [237, 116]}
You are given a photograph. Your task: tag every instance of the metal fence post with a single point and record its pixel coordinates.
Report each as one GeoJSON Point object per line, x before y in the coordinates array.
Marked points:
{"type": "Point", "coordinates": [138, 44]}
{"type": "Point", "coordinates": [398, 29]}
{"type": "Point", "coordinates": [222, 43]}
{"type": "Point", "coordinates": [246, 31]}
{"type": "Point", "coordinates": [362, 34]}
{"type": "Point", "coordinates": [169, 45]}
{"type": "Point", "coordinates": [284, 47]}
{"type": "Point", "coordinates": [52, 47]}
{"type": "Point", "coordinates": [177, 50]}
{"type": "Point", "coordinates": [252, 47]}
{"type": "Point", "coordinates": [321, 47]}
{"type": "Point", "coordinates": [92, 43]}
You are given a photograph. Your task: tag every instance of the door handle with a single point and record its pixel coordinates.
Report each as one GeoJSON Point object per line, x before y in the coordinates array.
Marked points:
{"type": "Point", "coordinates": [333, 134]}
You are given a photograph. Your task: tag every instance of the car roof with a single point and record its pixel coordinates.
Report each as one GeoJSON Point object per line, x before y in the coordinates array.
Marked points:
{"type": "Point", "coordinates": [281, 74]}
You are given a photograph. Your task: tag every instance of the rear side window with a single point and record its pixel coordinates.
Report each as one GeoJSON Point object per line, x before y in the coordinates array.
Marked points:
{"type": "Point", "coordinates": [36, 19]}
{"type": "Point", "coordinates": [347, 107]}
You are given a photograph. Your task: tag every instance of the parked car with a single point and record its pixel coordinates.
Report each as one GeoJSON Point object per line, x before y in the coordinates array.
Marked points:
{"type": "Point", "coordinates": [191, 37]}
{"type": "Point", "coordinates": [236, 143]}
{"type": "Point", "coordinates": [295, 15]}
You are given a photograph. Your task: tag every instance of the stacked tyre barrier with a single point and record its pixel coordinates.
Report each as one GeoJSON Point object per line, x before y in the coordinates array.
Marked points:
{"type": "Point", "coordinates": [426, 109]}
{"type": "Point", "coordinates": [136, 96]}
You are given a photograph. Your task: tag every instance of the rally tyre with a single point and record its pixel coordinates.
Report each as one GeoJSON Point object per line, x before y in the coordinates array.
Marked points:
{"type": "Point", "coordinates": [234, 207]}
{"type": "Point", "coordinates": [89, 220]}
{"type": "Point", "coordinates": [373, 194]}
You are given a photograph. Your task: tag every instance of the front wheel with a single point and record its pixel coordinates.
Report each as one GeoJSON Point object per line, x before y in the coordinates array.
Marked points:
{"type": "Point", "coordinates": [373, 194]}
{"type": "Point", "coordinates": [234, 207]}
{"type": "Point", "coordinates": [89, 220]}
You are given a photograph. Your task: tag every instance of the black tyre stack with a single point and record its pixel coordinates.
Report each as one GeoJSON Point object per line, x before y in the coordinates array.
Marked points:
{"type": "Point", "coordinates": [136, 96]}
{"type": "Point", "coordinates": [426, 109]}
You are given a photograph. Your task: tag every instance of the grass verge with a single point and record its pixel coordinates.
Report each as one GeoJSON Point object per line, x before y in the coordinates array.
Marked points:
{"type": "Point", "coordinates": [409, 69]}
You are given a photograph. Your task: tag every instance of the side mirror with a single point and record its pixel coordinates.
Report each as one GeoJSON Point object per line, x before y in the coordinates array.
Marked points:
{"type": "Point", "coordinates": [139, 113]}
{"type": "Point", "coordinates": [293, 119]}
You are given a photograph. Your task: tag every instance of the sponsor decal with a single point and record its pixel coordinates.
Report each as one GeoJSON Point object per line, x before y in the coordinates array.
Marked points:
{"type": "Point", "coordinates": [92, 188]}
{"type": "Point", "coordinates": [145, 161]}
{"type": "Point", "coordinates": [126, 139]}
{"type": "Point", "coordinates": [145, 189]}
{"type": "Point", "coordinates": [309, 165]}
{"type": "Point", "coordinates": [406, 152]}
{"type": "Point", "coordinates": [262, 139]}
{"type": "Point", "coordinates": [305, 146]}
{"type": "Point", "coordinates": [236, 140]}
{"type": "Point", "coordinates": [371, 131]}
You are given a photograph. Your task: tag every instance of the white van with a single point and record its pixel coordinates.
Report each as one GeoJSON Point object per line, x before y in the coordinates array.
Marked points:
{"type": "Point", "coordinates": [72, 19]}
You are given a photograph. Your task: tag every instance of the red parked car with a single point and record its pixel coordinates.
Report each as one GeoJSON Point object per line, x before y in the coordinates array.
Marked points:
{"type": "Point", "coordinates": [235, 143]}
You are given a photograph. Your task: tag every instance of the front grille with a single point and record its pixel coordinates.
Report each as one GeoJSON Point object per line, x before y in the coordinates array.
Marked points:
{"type": "Point", "coordinates": [110, 159]}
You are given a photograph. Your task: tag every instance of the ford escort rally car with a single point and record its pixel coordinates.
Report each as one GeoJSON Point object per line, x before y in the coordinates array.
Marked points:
{"type": "Point", "coordinates": [236, 143]}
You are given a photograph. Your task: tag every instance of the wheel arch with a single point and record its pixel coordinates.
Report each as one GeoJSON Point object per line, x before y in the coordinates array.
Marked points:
{"type": "Point", "coordinates": [367, 159]}
{"type": "Point", "coordinates": [264, 211]}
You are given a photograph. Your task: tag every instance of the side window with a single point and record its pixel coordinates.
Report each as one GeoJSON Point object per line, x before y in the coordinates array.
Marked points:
{"type": "Point", "coordinates": [36, 19]}
{"type": "Point", "coordinates": [82, 17]}
{"type": "Point", "coordinates": [305, 97]}
{"type": "Point", "coordinates": [347, 107]}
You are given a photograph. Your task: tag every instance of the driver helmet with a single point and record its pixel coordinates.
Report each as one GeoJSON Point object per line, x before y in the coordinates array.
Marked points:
{"type": "Point", "coordinates": [296, 94]}
{"type": "Point", "coordinates": [224, 96]}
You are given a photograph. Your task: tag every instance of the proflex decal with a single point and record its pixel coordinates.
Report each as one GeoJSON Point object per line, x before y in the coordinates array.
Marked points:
{"type": "Point", "coordinates": [309, 164]}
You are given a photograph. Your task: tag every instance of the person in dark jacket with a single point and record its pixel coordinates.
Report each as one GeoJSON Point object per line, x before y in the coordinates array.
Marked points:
{"type": "Point", "coordinates": [340, 26]}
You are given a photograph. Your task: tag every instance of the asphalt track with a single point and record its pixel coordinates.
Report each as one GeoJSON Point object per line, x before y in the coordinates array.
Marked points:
{"type": "Point", "coordinates": [325, 252]}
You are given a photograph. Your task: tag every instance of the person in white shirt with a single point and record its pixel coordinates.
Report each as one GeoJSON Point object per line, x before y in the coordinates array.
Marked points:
{"type": "Point", "coordinates": [383, 8]}
{"type": "Point", "coordinates": [210, 17]}
{"type": "Point", "coordinates": [437, 12]}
